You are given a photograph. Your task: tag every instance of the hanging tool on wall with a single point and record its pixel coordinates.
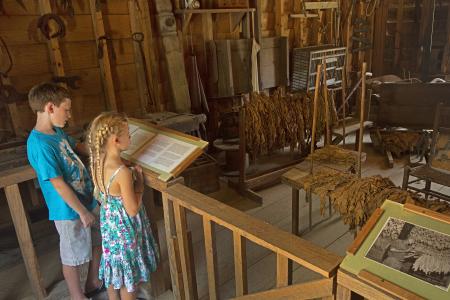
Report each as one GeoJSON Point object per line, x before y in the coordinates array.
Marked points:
{"type": "Point", "coordinates": [104, 39]}
{"type": "Point", "coordinates": [138, 37]}
{"type": "Point", "coordinates": [43, 25]}
{"type": "Point", "coordinates": [67, 6]}
{"type": "Point", "coordinates": [70, 81]}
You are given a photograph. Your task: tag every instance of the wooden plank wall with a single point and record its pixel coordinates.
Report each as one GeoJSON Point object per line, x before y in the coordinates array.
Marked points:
{"type": "Point", "coordinates": [395, 45]}
{"type": "Point", "coordinates": [79, 54]}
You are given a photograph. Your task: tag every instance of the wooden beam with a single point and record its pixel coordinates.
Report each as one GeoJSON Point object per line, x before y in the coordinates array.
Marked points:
{"type": "Point", "coordinates": [425, 37]}
{"type": "Point", "coordinates": [240, 264]}
{"type": "Point", "coordinates": [139, 58]}
{"type": "Point", "coordinates": [16, 175]}
{"type": "Point", "coordinates": [379, 39]}
{"type": "Point", "coordinates": [150, 56]}
{"type": "Point", "coordinates": [398, 33]}
{"type": "Point", "coordinates": [104, 61]}
{"type": "Point", "coordinates": [22, 228]}
{"type": "Point", "coordinates": [320, 5]}
{"type": "Point", "coordinates": [445, 66]}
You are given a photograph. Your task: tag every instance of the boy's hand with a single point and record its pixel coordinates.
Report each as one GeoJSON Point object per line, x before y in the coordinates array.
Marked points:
{"type": "Point", "coordinates": [87, 219]}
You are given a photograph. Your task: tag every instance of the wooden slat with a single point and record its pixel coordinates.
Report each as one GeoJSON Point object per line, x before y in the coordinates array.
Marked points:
{"type": "Point", "coordinates": [211, 258]}
{"type": "Point", "coordinates": [180, 224]}
{"type": "Point", "coordinates": [398, 33]}
{"type": "Point", "coordinates": [445, 67]}
{"type": "Point", "coordinates": [17, 175]}
{"type": "Point", "coordinates": [25, 242]}
{"type": "Point", "coordinates": [388, 286]}
{"type": "Point", "coordinates": [426, 212]}
{"type": "Point", "coordinates": [320, 5]}
{"type": "Point", "coordinates": [354, 284]}
{"type": "Point", "coordinates": [177, 282]}
{"type": "Point", "coordinates": [310, 290]}
{"type": "Point", "coordinates": [282, 271]}
{"type": "Point", "coordinates": [240, 264]}
{"type": "Point", "coordinates": [105, 62]}
{"type": "Point", "coordinates": [365, 231]}
{"type": "Point", "coordinates": [301, 251]}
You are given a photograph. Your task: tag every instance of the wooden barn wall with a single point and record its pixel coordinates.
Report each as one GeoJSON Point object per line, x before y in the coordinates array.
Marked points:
{"type": "Point", "coordinates": [31, 60]}
{"type": "Point", "coordinates": [395, 35]}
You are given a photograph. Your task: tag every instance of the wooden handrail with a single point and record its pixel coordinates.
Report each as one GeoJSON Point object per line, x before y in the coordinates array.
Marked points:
{"type": "Point", "coordinates": [178, 198]}
{"type": "Point", "coordinates": [311, 290]}
{"type": "Point", "coordinates": [16, 176]}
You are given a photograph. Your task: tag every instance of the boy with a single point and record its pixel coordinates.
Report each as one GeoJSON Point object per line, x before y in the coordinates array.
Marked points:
{"type": "Point", "coordinates": [66, 186]}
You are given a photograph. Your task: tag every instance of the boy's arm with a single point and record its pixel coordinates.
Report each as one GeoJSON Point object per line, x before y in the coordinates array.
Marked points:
{"type": "Point", "coordinates": [66, 192]}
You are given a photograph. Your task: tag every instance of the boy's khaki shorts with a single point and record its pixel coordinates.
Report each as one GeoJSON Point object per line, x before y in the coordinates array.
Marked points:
{"type": "Point", "coordinates": [76, 241]}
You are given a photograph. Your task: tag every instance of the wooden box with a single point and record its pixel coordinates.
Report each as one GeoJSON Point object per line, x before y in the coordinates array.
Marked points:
{"type": "Point", "coordinates": [202, 175]}
{"type": "Point", "coordinates": [232, 4]}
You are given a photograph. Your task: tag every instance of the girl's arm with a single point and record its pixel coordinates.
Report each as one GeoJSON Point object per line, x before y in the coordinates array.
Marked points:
{"type": "Point", "coordinates": [131, 199]}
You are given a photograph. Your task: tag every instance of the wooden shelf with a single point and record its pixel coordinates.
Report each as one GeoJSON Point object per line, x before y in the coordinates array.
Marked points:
{"type": "Point", "coordinates": [213, 11]}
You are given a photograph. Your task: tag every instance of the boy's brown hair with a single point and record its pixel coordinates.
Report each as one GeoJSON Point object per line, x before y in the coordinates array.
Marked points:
{"type": "Point", "coordinates": [46, 92]}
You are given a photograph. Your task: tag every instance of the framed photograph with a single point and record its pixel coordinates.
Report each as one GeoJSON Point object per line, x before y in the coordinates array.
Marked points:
{"type": "Point", "coordinates": [407, 246]}
{"type": "Point", "coordinates": [413, 250]}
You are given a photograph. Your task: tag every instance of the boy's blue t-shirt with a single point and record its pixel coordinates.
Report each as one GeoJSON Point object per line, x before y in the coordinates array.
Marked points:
{"type": "Point", "coordinates": [51, 156]}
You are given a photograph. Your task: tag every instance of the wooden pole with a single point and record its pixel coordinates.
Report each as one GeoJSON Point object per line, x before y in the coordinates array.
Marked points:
{"type": "Point", "coordinates": [361, 117]}
{"type": "Point", "coordinates": [327, 107]}
{"type": "Point", "coordinates": [313, 128]}
{"type": "Point", "coordinates": [343, 94]}
{"type": "Point", "coordinates": [105, 62]}
{"type": "Point", "coordinates": [242, 150]}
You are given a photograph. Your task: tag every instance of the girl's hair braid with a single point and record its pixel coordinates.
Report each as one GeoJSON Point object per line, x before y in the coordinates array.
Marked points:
{"type": "Point", "coordinates": [101, 128]}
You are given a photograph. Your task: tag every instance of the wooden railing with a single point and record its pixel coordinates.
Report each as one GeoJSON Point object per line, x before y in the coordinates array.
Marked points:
{"type": "Point", "coordinates": [178, 199]}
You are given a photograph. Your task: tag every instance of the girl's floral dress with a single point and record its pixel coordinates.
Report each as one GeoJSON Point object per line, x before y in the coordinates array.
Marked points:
{"type": "Point", "coordinates": [130, 253]}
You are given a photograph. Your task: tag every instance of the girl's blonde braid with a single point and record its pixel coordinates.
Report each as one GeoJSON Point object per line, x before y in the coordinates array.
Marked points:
{"type": "Point", "coordinates": [100, 130]}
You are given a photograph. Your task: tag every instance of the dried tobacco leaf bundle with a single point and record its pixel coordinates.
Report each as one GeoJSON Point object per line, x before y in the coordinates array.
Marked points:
{"type": "Point", "coordinates": [334, 154]}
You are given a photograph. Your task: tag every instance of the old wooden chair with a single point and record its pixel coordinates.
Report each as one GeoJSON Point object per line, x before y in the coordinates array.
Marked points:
{"type": "Point", "coordinates": [437, 168]}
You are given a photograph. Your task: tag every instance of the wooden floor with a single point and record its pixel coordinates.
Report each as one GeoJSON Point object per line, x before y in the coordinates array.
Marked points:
{"type": "Point", "coordinates": [329, 233]}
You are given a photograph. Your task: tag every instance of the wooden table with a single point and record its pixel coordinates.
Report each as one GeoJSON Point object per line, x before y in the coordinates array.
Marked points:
{"type": "Point", "coordinates": [10, 180]}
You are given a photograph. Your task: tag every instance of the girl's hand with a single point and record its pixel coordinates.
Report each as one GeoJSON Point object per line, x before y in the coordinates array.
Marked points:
{"type": "Point", "coordinates": [139, 185]}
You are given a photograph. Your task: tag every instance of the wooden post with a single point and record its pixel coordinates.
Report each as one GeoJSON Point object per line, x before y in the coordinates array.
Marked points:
{"type": "Point", "coordinates": [379, 38]}
{"type": "Point", "coordinates": [240, 265]}
{"type": "Point", "coordinates": [344, 95]}
{"type": "Point", "coordinates": [446, 56]}
{"type": "Point", "coordinates": [177, 282]}
{"type": "Point", "coordinates": [211, 259]}
{"type": "Point", "coordinates": [327, 107]}
{"type": "Point", "coordinates": [149, 53]}
{"type": "Point", "coordinates": [279, 18]}
{"type": "Point", "coordinates": [361, 117]}
{"type": "Point", "coordinates": [104, 61]}
{"type": "Point", "coordinates": [282, 271]}
{"type": "Point", "coordinates": [242, 147]}
{"type": "Point", "coordinates": [53, 48]}
{"type": "Point", "coordinates": [425, 37]}
{"type": "Point", "coordinates": [25, 242]}
{"type": "Point", "coordinates": [398, 33]}
{"type": "Point", "coordinates": [314, 123]}
{"type": "Point", "coordinates": [180, 224]}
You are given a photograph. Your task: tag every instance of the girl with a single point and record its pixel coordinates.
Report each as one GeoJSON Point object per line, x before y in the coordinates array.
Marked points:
{"type": "Point", "coordinates": [129, 249]}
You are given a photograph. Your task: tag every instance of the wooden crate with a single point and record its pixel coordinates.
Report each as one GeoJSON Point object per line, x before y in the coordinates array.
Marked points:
{"type": "Point", "coordinates": [232, 4]}
{"type": "Point", "coordinates": [202, 175]}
